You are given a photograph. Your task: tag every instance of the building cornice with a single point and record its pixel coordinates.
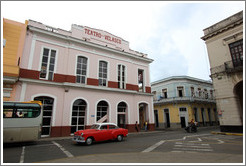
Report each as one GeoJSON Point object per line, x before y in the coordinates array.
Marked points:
{"type": "Point", "coordinates": [10, 80]}
{"type": "Point", "coordinates": [224, 25]}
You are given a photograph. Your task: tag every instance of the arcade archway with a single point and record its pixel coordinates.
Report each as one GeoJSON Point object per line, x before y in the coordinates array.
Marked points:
{"type": "Point", "coordinates": [238, 91]}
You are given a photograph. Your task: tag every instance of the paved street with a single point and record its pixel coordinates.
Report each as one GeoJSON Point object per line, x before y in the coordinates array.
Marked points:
{"type": "Point", "coordinates": [144, 147]}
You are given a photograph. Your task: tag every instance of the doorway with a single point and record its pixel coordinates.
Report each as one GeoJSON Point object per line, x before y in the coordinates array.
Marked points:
{"type": "Point", "coordinates": [122, 113]}
{"type": "Point", "coordinates": [143, 114]}
{"type": "Point", "coordinates": [48, 106]}
{"type": "Point", "coordinates": [156, 119]}
{"type": "Point", "coordinates": [183, 117]}
{"type": "Point", "coordinates": [183, 122]}
{"type": "Point", "coordinates": [167, 118]}
{"type": "Point", "coordinates": [78, 115]}
{"type": "Point", "coordinates": [121, 121]}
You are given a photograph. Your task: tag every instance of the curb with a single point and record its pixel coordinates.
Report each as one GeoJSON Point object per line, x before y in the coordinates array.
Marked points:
{"type": "Point", "coordinates": [224, 133]}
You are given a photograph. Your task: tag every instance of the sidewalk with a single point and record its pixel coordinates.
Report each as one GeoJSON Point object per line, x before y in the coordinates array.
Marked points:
{"type": "Point", "coordinates": [226, 133]}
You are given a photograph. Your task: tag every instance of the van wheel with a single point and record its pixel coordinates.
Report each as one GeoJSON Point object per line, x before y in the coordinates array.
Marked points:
{"type": "Point", "coordinates": [89, 141]}
{"type": "Point", "coordinates": [119, 138]}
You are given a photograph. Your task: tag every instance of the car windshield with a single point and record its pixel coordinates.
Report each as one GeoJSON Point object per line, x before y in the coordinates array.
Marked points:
{"type": "Point", "coordinates": [95, 126]}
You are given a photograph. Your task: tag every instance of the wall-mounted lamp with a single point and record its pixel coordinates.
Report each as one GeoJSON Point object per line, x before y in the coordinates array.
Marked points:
{"type": "Point", "coordinates": [66, 89]}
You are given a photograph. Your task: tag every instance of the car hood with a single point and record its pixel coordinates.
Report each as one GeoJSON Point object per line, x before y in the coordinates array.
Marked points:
{"type": "Point", "coordinates": [85, 131]}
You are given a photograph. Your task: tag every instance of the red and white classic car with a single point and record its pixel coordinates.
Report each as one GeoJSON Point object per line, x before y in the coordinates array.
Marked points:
{"type": "Point", "coordinates": [100, 132]}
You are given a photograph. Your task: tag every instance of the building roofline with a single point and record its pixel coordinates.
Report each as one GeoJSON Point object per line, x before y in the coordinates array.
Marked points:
{"type": "Point", "coordinates": [70, 38]}
{"type": "Point", "coordinates": [180, 78]}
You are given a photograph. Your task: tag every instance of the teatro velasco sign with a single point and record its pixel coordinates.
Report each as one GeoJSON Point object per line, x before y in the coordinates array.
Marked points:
{"type": "Point", "coordinates": [103, 38]}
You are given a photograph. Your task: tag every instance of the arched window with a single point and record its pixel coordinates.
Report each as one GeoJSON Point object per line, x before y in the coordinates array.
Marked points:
{"type": "Point", "coordinates": [47, 113]}
{"type": "Point", "coordinates": [78, 115]}
{"type": "Point", "coordinates": [102, 111]}
{"type": "Point", "coordinates": [122, 107]}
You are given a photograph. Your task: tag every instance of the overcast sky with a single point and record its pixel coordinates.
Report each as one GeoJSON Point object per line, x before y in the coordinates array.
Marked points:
{"type": "Point", "coordinates": [169, 32]}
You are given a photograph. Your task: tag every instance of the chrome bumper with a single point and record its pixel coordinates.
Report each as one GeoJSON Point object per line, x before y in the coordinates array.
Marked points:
{"type": "Point", "coordinates": [78, 139]}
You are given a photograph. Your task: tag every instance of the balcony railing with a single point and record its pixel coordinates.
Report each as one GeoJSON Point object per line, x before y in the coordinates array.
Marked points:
{"type": "Point", "coordinates": [201, 99]}
{"type": "Point", "coordinates": [228, 67]}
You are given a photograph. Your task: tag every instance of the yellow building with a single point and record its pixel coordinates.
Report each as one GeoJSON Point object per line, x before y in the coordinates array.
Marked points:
{"type": "Point", "coordinates": [13, 43]}
{"type": "Point", "coordinates": [179, 99]}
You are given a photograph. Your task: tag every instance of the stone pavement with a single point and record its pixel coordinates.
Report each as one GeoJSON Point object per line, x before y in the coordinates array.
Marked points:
{"type": "Point", "coordinates": [153, 157]}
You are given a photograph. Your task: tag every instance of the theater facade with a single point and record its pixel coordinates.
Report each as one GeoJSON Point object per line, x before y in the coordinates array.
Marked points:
{"type": "Point", "coordinates": [84, 76]}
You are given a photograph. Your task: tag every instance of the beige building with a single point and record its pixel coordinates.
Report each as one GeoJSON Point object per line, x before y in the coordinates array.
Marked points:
{"type": "Point", "coordinates": [224, 41]}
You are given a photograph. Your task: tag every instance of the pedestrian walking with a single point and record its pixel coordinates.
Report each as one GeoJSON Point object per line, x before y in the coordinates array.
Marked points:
{"type": "Point", "coordinates": [146, 125]}
{"type": "Point", "coordinates": [136, 126]}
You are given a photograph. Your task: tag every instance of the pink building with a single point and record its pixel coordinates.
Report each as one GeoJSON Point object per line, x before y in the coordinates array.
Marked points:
{"type": "Point", "coordinates": [84, 76]}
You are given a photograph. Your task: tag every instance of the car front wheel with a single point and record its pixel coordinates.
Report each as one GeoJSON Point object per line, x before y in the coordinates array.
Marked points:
{"type": "Point", "coordinates": [89, 141]}
{"type": "Point", "coordinates": [119, 138]}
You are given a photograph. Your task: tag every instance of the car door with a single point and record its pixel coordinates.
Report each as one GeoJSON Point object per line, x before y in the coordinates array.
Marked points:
{"type": "Point", "coordinates": [113, 131]}
{"type": "Point", "coordinates": [103, 133]}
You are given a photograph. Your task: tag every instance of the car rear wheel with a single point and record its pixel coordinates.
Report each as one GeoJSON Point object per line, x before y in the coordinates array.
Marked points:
{"type": "Point", "coordinates": [119, 138]}
{"type": "Point", "coordinates": [89, 141]}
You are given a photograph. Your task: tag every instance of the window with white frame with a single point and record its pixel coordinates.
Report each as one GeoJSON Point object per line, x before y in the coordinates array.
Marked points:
{"type": "Point", "coordinates": [206, 93]}
{"type": "Point", "coordinates": [199, 92]}
{"type": "Point", "coordinates": [48, 64]}
{"type": "Point", "coordinates": [154, 95]}
{"type": "Point", "coordinates": [183, 109]}
{"type": "Point", "coordinates": [164, 93]}
{"type": "Point", "coordinates": [141, 80]}
{"type": "Point", "coordinates": [121, 76]}
{"type": "Point", "coordinates": [81, 70]}
{"type": "Point", "coordinates": [103, 73]}
{"type": "Point", "coordinates": [211, 94]}
{"type": "Point", "coordinates": [192, 90]}
{"type": "Point", "coordinates": [180, 91]}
